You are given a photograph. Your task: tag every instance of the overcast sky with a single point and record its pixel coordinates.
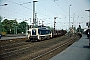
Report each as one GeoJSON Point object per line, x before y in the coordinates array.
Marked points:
{"type": "Point", "coordinates": [46, 10]}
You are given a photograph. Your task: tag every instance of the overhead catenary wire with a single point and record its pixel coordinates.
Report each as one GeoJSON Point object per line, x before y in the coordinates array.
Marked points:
{"type": "Point", "coordinates": [13, 11]}
{"type": "Point", "coordinates": [53, 12]}
{"type": "Point", "coordinates": [49, 9]}
{"type": "Point", "coordinates": [67, 4]}
{"type": "Point", "coordinates": [27, 8]}
{"type": "Point", "coordinates": [31, 9]}
{"type": "Point", "coordinates": [60, 7]}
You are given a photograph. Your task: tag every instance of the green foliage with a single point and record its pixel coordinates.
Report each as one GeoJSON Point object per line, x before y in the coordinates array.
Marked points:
{"type": "Point", "coordinates": [50, 28]}
{"type": "Point", "coordinates": [22, 27]}
{"type": "Point", "coordinates": [0, 24]}
{"type": "Point", "coordinates": [9, 25]}
{"type": "Point", "coordinates": [13, 27]}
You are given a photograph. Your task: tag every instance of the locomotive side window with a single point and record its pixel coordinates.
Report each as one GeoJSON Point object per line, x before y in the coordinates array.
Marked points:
{"type": "Point", "coordinates": [43, 31]}
{"type": "Point", "coordinates": [46, 31]}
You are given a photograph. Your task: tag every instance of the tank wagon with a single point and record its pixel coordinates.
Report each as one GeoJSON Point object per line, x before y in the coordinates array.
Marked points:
{"type": "Point", "coordinates": [42, 33]}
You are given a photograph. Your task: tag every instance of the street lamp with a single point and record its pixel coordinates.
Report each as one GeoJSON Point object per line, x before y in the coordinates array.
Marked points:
{"type": "Point", "coordinates": [14, 27]}
{"type": "Point", "coordinates": [89, 17]}
{"type": "Point", "coordinates": [89, 25]}
{"type": "Point", "coordinates": [34, 12]}
{"type": "Point", "coordinates": [26, 27]}
{"type": "Point", "coordinates": [4, 4]}
{"type": "Point", "coordinates": [69, 19]}
{"type": "Point", "coordinates": [69, 15]}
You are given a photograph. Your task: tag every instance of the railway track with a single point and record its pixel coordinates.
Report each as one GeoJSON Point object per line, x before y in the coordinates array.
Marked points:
{"type": "Point", "coordinates": [31, 50]}
{"type": "Point", "coordinates": [67, 43]}
{"type": "Point", "coordinates": [40, 54]}
{"type": "Point", "coordinates": [16, 49]}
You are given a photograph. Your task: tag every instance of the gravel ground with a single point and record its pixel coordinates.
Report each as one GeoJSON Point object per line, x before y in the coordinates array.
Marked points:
{"type": "Point", "coordinates": [36, 48]}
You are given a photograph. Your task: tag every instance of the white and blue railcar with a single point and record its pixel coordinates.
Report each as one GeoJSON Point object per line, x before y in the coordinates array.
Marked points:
{"type": "Point", "coordinates": [39, 34]}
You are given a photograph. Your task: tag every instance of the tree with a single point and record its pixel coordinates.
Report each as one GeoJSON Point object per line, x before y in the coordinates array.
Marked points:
{"type": "Point", "coordinates": [22, 27]}
{"type": "Point", "coordinates": [9, 26]}
{"type": "Point", "coordinates": [0, 24]}
{"type": "Point", "coordinates": [50, 28]}
{"type": "Point", "coordinates": [13, 27]}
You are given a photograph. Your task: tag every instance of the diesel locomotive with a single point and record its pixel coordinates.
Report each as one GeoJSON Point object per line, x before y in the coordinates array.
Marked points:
{"type": "Point", "coordinates": [42, 33]}
{"type": "Point", "coordinates": [39, 33]}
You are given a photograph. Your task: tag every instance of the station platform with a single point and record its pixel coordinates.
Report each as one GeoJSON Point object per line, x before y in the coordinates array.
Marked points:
{"type": "Point", "coordinates": [77, 51]}
{"type": "Point", "coordinates": [12, 37]}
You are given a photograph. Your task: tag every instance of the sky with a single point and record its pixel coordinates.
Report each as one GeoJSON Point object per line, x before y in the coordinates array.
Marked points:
{"type": "Point", "coordinates": [46, 11]}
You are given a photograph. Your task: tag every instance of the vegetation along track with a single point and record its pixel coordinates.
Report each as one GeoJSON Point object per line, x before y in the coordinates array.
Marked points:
{"type": "Point", "coordinates": [35, 50]}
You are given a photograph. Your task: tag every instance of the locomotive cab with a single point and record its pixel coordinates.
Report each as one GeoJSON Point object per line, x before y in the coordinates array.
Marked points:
{"type": "Point", "coordinates": [32, 33]}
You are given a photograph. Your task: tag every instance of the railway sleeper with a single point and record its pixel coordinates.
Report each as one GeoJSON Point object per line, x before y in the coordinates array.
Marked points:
{"type": "Point", "coordinates": [13, 52]}
{"type": "Point", "coordinates": [66, 43]}
{"type": "Point", "coordinates": [12, 45]}
{"type": "Point", "coordinates": [18, 50]}
{"type": "Point", "coordinates": [11, 49]}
